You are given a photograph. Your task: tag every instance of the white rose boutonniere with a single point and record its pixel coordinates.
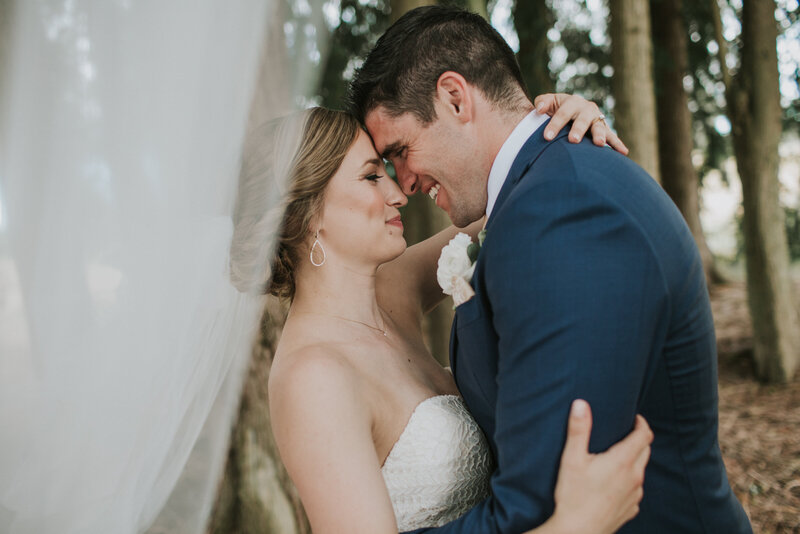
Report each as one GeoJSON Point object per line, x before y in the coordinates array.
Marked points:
{"type": "Point", "coordinates": [456, 265]}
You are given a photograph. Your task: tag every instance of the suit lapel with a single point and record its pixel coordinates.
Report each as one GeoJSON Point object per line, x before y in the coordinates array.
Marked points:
{"type": "Point", "coordinates": [527, 156]}
{"type": "Point", "coordinates": [454, 346]}
{"type": "Point", "coordinates": [529, 153]}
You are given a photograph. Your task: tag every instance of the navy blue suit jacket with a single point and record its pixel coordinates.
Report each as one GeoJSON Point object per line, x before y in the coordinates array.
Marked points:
{"type": "Point", "coordinates": [589, 285]}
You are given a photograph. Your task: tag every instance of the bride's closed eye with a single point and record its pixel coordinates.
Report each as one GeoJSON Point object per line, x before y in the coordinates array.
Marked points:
{"type": "Point", "coordinates": [373, 177]}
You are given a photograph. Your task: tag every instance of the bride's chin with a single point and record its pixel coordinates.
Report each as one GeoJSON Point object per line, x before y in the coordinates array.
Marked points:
{"type": "Point", "coordinates": [396, 252]}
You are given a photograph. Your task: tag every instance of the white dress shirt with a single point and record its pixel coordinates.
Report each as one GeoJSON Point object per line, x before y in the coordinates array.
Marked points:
{"type": "Point", "coordinates": [507, 154]}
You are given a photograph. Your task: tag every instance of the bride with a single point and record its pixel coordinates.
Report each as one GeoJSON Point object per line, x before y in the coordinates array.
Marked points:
{"type": "Point", "coordinates": [370, 427]}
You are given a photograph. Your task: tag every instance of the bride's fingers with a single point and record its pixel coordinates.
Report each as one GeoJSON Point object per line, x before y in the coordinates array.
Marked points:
{"type": "Point", "coordinates": [616, 143]}
{"type": "Point", "coordinates": [564, 108]}
{"type": "Point", "coordinates": [570, 107]}
{"type": "Point", "coordinates": [546, 103]}
{"type": "Point", "coordinates": [584, 120]}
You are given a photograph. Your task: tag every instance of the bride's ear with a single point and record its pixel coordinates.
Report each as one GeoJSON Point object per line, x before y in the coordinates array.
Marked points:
{"type": "Point", "coordinates": [455, 94]}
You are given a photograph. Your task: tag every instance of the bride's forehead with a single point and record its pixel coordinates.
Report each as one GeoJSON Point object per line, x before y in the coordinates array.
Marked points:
{"type": "Point", "coordinates": [362, 148]}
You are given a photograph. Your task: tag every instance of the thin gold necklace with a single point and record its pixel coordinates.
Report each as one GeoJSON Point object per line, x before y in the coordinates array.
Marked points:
{"type": "Point", "coordinates": [381, 330]}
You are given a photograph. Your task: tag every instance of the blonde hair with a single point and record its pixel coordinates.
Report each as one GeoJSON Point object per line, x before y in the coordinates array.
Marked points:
{"type": "Point", "coordinates": [288, 163]}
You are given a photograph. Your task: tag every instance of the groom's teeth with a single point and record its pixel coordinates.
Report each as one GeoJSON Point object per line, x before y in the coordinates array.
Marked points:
{"type": "Point", "coordinates": [434, 191]}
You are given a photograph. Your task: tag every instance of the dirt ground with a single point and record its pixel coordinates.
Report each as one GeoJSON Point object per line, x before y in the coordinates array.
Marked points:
{"type": "Point", "coordinates": [759, 428]}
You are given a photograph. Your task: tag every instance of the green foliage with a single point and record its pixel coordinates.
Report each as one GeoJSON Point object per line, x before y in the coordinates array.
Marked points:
{"type": "Point", "coordinates": [360, 25]}
{"type": "Point", "coordinates": [581, 52]}
{"type": "Point", "coordinates": [706, 87]}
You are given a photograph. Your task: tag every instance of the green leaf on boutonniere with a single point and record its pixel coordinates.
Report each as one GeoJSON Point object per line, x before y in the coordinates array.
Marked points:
{"type": "Point", "coordinates": [481, 236]}
{"type": "Point", "coordinates": [472, 252]}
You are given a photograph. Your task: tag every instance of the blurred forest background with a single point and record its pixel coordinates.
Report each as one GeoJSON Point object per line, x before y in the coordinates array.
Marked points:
{"type": "Point", "coordinates": [705, 93]}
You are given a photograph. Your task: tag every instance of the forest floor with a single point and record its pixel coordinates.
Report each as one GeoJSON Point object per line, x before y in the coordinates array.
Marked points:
{"type": "Point", "coordinates": [759, 427]}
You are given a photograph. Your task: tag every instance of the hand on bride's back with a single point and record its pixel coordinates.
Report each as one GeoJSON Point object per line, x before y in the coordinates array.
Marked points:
{"type": "Point", "coordinates": [599, 492]}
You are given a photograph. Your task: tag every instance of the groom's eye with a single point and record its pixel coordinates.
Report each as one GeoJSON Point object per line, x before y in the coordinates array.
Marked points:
{"type": "Point", "coordinates": [390, 169]}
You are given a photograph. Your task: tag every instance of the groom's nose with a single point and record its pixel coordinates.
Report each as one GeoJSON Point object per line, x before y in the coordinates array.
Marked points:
{"type": "Point", "coordinates": [409, 182]}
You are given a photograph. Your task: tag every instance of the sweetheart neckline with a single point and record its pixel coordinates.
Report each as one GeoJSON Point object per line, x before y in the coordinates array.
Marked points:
{"type": "Point", "coordinates": [411, 418]}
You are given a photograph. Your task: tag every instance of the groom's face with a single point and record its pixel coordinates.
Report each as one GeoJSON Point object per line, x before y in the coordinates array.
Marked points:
{"type": "Point", "coordinates": [440, 155]}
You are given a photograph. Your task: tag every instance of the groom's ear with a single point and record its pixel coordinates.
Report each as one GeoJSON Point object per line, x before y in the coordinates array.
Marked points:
{"type": "Point", "coordinates": [455, 94]}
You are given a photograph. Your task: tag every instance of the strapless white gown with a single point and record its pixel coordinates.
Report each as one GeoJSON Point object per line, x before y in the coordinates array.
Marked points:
{"type": "Point", "coordinates": [440, 465]}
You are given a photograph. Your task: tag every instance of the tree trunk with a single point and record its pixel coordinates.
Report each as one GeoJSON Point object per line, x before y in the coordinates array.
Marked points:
{"type": "Point", "coordinates": [634, 97]}
{"type": "Point", "coordinates": [678, 175]}
{"type": "Point", "coordinates": [400, 7]}
{"type": "Point", "coordinates": [257, 496]}
{"type": "Point", "coordinates": [753, 103]}
{"type": "Point", "coordinates": [479, 7]}
{"type": "Point", "coordinates": [532, 20]}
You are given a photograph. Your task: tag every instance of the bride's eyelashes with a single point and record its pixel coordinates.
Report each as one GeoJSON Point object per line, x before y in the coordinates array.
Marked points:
{"type": "Point", "coordinates": [373, 177]}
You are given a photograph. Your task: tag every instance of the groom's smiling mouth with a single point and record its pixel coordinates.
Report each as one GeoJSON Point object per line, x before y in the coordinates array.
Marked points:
{"type": "Point", "coordinates": [433, 192]}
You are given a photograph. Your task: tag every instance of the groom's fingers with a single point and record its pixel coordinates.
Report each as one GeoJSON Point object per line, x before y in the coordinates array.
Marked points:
{"type": "Point", "coordinates": [629, 449]}
{"type": "Point", "coordinates": [644, 456]}
{"type": "Point", "coordinates": [579, 429]}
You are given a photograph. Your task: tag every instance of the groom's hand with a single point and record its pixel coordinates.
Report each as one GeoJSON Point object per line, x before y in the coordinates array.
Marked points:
{"type": "Point", "coordinates": [599, 492]}
{"type": "Point", "coordinates": [585, 115]}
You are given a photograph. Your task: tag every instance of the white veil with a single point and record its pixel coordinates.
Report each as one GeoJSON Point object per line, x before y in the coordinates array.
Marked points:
{"type": "Point", "coordinates": [121, 129]}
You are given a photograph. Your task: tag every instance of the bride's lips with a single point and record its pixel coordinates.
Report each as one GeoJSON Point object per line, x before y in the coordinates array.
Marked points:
{"type": "Point", "coordinates": [395, 222]}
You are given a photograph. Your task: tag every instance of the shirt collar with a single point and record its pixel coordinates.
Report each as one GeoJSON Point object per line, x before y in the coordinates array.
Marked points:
{"type": "Point", "coordinates": [507, 154]}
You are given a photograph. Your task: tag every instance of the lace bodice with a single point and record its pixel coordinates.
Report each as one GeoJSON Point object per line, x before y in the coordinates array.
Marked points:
{"type": "Point", "coordinates": [440, 465]}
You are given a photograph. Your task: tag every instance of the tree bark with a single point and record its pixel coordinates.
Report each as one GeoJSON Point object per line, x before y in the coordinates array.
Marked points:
{"type": "Point", "coordinates": [678, 175]}
{"type": "Point", "coordinates": [257, 495]}
{"type": "Point", "coordinates": [479, 7]}
{"type": "Point", "coordinates": [634, 97]}
{"type": "Point", "coordinates": [400, 7]}
{"type": "Point", "coordinates": [532, 20]}
{"type": "Point", "coordinates": [755, 113]}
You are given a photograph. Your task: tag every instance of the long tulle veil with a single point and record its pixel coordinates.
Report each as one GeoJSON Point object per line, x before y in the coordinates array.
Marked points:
{"type": "Point", "coordinates": [122, 339]}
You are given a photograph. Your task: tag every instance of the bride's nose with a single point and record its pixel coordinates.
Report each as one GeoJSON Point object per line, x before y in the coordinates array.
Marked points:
{"type": "Point", "coordinates": [395, 196]}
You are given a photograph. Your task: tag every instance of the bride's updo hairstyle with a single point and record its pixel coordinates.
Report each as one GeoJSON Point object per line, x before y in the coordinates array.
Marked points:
{"type": "Point", "coordinates": [287, 164]}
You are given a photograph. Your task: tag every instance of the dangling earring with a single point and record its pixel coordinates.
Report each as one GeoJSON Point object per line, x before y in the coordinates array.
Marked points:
{"type": "Point", "coordinates": [311, 255]}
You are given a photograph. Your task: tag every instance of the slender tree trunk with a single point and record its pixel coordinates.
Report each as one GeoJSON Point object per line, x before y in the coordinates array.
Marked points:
{"type": "Point", "coordinates": [256, 495]}
{"type": "Point", "coordinates": [755, 113]}
{"type": "Point", "coordinates": [634, 97]}
{"type": "Point", "coordinates": [678, 175]}
{"type": "Point", "coordinates": [532, 20]}
{"type": "Point", "coordinates": [479, 7]}
{"type": "Point", "coordinates": [399, 7]}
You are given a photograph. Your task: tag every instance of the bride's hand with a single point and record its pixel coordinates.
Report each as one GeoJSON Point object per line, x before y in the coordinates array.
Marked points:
{"type": "Point", "coordinates": [599, 492]}
{"type": "Point", "coordinates": [585, 115]}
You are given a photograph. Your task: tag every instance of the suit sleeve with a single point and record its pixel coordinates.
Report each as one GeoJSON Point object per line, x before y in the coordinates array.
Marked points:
{"type": "Point", "coordinates": [579, 306]}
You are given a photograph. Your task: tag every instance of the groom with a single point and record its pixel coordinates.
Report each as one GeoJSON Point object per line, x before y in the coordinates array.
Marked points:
{"type": "Point", "coordinates": [588, 284]}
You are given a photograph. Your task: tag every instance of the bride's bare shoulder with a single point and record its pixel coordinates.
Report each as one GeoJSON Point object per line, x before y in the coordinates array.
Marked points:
{"type": "Point", "coordinates": [311, 376]}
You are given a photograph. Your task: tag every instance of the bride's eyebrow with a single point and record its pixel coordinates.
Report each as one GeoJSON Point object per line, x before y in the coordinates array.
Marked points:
{"type": "Point", "coordinates": [374, 161]}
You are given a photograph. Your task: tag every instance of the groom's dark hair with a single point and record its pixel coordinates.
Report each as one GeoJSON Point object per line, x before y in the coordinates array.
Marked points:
{"type": "Point", "coordinates": [401, 72]}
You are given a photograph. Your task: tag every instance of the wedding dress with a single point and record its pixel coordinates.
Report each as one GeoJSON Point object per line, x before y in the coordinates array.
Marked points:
{"type": "Point", "coordinates": [440, 465]}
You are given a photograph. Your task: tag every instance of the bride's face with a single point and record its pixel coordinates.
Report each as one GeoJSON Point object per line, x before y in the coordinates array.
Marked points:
{"type": "Point", "coordinates": [360, 219]}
